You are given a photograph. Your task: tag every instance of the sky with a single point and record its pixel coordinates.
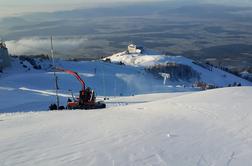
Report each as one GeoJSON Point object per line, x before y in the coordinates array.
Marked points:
{"type": "Point", "coordinates": [17, 7]}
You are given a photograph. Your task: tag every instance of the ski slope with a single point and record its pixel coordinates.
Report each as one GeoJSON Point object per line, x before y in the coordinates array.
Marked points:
{"type": "Point", "coordinates": [33, 90]}
{"type": "Point", "coordinates": [197, 128]}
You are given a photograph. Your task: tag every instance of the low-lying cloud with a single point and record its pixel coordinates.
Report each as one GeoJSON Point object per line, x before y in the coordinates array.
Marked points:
{"type": "Point", "coordinates": [62, 45]}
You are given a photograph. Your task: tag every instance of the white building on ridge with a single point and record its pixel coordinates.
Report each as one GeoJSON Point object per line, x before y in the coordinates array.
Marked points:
{"type": "Point", "coordinates": [134, 49]}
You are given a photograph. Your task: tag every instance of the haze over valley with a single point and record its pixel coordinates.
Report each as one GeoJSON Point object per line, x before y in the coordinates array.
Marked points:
{"type": "Point", "coordinates": [220, 33]}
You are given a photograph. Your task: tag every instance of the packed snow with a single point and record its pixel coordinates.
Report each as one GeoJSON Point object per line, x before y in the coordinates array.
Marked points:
{"type": "Point", "coordinates": [200, 128]}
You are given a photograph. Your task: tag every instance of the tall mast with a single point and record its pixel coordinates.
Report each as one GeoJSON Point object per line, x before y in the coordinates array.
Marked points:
{"type": "Point", "coordinates": [54, 73]}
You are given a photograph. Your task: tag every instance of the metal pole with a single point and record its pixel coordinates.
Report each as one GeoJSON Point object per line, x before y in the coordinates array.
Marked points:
{"type": "Point", "coordinates": [55, 76]}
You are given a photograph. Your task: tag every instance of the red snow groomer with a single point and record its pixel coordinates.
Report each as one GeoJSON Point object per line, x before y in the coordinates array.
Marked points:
{"type": "Point", "coordinates": [86, 99]}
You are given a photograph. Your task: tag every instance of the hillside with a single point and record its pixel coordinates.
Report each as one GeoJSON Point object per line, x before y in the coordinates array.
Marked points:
{"type": "Point", "coordinates": [200, 128]}
{"type": "Point", "coordinates": [206, 73]}
{"type": "Point", "coordinates": [33, 89]}
{"type": "Point", "coordinates": [30, 82]}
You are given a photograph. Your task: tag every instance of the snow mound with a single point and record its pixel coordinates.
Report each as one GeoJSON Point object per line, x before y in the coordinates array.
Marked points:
{"type": "Point", "coordinates": [208, 74]}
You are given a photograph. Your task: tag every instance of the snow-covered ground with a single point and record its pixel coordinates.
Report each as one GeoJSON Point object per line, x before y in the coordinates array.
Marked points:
{"type": "Point", "coordinates": [24, 89]}
{"type": "Point", "coordinates": [214, 76]}
{"type": "Point", "coordinates": [145, 122]}
{"type": "Point", "coordinates": [200, 128]}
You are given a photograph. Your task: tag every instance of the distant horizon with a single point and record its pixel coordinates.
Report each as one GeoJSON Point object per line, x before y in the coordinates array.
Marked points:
{"type": "Point", "coordinates": [18, 8]}
{"type": "Point", "coordinates": [197, 29]}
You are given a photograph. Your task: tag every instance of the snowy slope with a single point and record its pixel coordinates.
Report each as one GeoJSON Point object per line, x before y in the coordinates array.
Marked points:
{"type": "Point", "coordinates": [200, 128]}
{"type": "Point", "coordinates": [33, 89]}
{"type": "Point", "coordinates": [215, 76]}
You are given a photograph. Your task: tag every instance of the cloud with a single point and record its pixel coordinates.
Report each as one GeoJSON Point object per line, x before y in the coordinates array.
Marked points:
{"type": "Point", "coordinates": [37, 45]}
{"type": "Point", "coordinates": [64, 47]}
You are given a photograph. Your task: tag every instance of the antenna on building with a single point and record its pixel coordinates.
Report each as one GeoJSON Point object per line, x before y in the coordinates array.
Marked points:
{"type": "Point", "coordinates": [54, 73]}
